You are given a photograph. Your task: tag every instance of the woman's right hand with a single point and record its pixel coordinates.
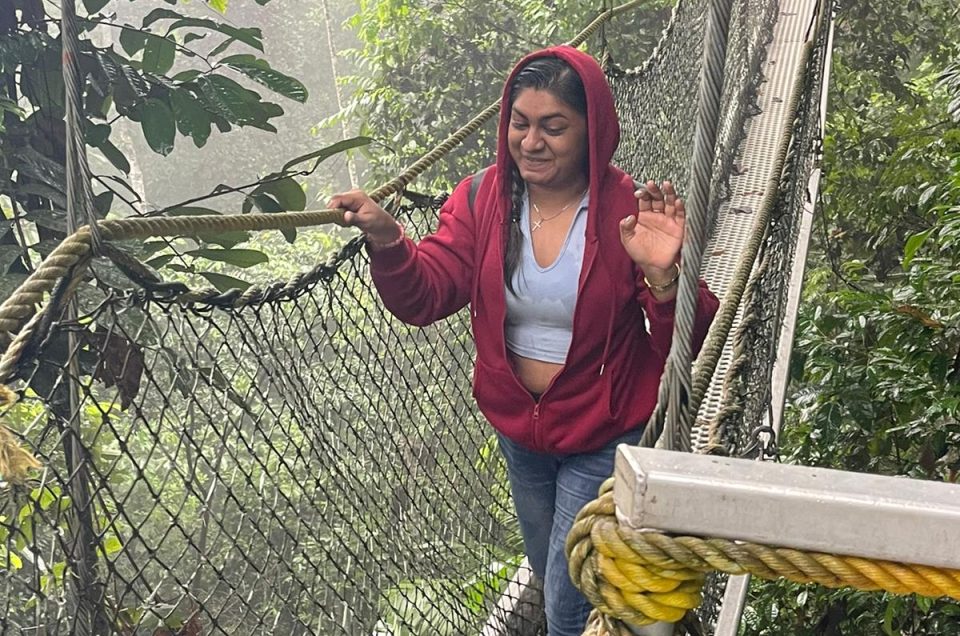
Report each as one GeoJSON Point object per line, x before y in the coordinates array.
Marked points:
{"type": "Point", "coordinates": [362, 212]}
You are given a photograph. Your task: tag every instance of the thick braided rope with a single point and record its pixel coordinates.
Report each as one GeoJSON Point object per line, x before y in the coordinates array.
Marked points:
{"type": "Point", "coordinates": [676, 383]}
{"type": "Point", "coordinates": [640, 577]}
{"type": "Point", "coordinates": [79, 191]}
{"type": "Point", "coordinates": [744, 277]}
{"type": "Point", "coordinates": [712, 349]}
{"type": "Point", "coordinates": [23, 303]}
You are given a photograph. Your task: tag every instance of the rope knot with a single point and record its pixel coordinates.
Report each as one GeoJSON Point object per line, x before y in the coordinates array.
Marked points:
{"type": "Point", "coordinates": [627, 581]}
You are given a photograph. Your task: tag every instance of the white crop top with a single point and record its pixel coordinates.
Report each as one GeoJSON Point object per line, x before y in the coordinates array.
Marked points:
{"type": "Point", "coordinates": [539, 323]}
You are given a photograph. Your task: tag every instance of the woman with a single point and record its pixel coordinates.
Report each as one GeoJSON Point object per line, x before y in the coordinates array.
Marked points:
{"type": "Point", "coordinates": [572, 286]}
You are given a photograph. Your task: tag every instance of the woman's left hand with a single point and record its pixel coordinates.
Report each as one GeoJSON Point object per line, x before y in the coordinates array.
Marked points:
{"type": "Point", "coordinates": [653, 238]}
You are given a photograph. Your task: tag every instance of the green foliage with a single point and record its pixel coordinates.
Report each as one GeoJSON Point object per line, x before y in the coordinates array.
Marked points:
{"type": "Point", "coordinates": [426, 68]}
{"type": "Point", "coordinates": [176, 76]}
{"type": "Point", "coordinates": [876, 384]}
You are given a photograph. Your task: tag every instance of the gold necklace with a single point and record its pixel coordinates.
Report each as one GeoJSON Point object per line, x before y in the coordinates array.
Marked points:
{"type": "Point", "coordinates": [543, 219]}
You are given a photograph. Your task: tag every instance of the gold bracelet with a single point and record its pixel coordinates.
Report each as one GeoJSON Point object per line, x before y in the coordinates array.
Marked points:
{"type": "Point", "coordinates": [665, 286]}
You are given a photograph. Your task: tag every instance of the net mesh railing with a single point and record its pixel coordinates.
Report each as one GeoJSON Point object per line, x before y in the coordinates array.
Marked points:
{"type": "Point", "coordinates": [746, 410]}
{"type": "Point", "coordinates": [300, 462]}
{"type": "Point", "coordinates": [306, 465]}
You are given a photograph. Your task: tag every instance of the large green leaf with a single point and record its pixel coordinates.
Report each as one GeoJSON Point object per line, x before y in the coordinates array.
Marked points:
{"type": "Point", "coordinates": [223, 282]}
{"type": "Point", "coordinates": [224, 239]}
{"type": "Point", "coordinates": [259, 70]}
{"type": "Point", "coordinates": [93, 6]}
{"type": "Point", "coordinates": [914, 243]}
{"type": "Point", "coordinates": [250, 36]}
{"type": "Point", "coordinates": [158, 54]}
{"type": "Point", "coordinates": [235, 103]}
{"type": "Point", "coordinates": [329, 151]}
{"type": "Point", "coordinates": [288, 193]}
{"type": "Point", "coordinates": [129, 87]}
{"type": "Point", "coordinates": [102, 203]}
{"type": "Point", "coordinates": [159, 126]}
{"type": "Point", "coordinates": [132, 40]}
{"type": "Point", "coordinates": [190, 210]}
{"type": "Point", "coordinates": [236, 256]}
{"type": "Point", "coordinates": [264, 203]}
{"type": "Point", "coordinates": [115, 156]}
{"type": "Point", "coordinates": [96, 134]}
{"type": "Point", "coordinates": [192, 118]}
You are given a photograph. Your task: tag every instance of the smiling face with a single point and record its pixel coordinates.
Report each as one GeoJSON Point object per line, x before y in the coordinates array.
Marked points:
{"type": "Point", "coordinates": [548, 140]}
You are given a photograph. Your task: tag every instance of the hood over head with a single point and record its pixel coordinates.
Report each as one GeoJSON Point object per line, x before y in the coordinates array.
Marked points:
{"type": "Point", "coordinates": [603, 126]}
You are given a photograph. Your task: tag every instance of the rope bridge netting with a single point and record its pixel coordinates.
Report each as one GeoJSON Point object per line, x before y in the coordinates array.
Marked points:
{"type": "Point", "coordinates": [292, 459]}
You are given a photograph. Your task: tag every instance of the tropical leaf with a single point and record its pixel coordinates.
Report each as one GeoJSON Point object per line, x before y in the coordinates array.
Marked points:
{"type": "Point", "coordinates": [329, 151]}
{"type": "Point", "coordinates": [236, 256]}
{"type": "Point", "coordinates": [114, 156]}
{"type": "Point", "coordinates": [158, 54]}
{"type": "Point", "coordinates": [250, 36]}
{"type": "Point", "coordinates": [223, 282]}
{"type": "Point", "coordinates": [132, 40]}
{"type": "Point", "coordinates": [260, 71]}
{"type": "Point", "coordinates": [235, 103]}
{"type": "Point", "coordinates": [94, 6]}
{"type": "Point", "coordinates": [287, 192]}
{"type": "Point", "coordinates": [159, 126]}
{"type": "Point", "coordinates": [192, 118]}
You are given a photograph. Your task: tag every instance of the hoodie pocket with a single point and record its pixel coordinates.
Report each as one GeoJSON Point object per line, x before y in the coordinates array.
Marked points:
{"type": "Point", "coordinates": [501, 398]}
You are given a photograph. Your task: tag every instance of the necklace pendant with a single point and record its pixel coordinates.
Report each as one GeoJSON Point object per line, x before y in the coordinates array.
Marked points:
{"type": "Point", "coordinates": [536, 225]}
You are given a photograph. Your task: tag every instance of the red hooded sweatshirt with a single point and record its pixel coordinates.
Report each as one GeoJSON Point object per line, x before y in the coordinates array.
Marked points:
{"type": "Point", "coordinates": [621, 333]}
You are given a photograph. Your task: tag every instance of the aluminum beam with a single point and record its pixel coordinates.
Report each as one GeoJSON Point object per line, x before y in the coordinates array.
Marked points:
{"type": "Point", "coordinates": [811, 509]}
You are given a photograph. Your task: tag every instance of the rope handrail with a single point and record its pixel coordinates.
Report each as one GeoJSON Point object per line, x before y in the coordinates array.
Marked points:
{"type": "Point", "coordinates": [676, 383]}
{"type": "Point", "coordinates": [644, 576]}
{"type": "Point", "coordinates": [72, 255]}
{"type": "Point", "coordinates": [719, 331]}
{"type": "Point", "coordinates": [22, 303]}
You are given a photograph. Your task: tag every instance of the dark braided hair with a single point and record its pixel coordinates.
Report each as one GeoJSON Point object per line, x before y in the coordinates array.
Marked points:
{"type": "Point", "coordinates": [557, 77]}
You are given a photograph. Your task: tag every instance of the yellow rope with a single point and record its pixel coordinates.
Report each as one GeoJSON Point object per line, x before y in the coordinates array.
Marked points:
{"type": "Point", "coordinates": [639, 577]}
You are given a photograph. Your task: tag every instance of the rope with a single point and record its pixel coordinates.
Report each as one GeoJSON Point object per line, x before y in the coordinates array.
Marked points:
{"type": "Point", "coordinates": [71, 256]}
{"type": "Point", "coordinates": [742, 279]}
{"type": "Point", "coordinates": [642, 576]}
{"type": "Point", "coordinates": [594, 574]}
{"type": "Point", "coordinates": [79, 193]}
{"type": "Point", "coordinates": [16, 309]}
{"type": "Point", "coordinates": [675, 386]}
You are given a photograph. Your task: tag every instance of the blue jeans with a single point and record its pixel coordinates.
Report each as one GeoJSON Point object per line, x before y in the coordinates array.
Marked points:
{"type": "Point", "coordinates": [548, 492]}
